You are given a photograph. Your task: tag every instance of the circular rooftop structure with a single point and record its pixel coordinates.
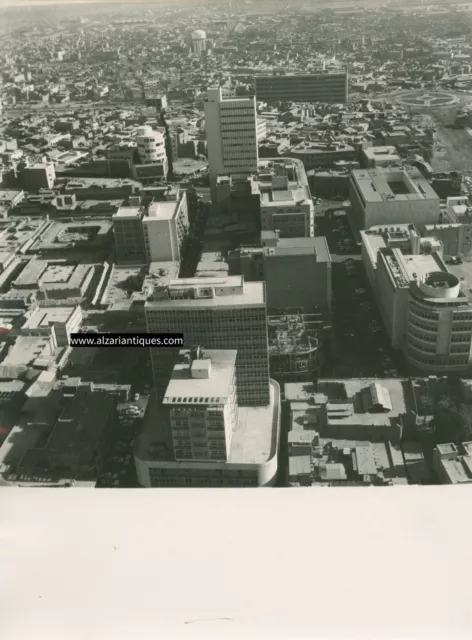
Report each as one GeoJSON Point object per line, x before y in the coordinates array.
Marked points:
{"type": "Point", "coordinates": [440, 284]}
{"type": "Point", "coordinates": [199, 35]}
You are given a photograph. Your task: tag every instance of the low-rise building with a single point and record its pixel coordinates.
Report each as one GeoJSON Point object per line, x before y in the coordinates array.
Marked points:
{"type": "Point", "coordinates": [452, 463]}
{"type": "Point", "coordinates": [373, 157]}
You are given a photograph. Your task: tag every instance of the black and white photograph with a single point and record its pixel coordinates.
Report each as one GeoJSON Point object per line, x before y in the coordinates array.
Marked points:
{"type": "Point", "coordinates": [236, 254]}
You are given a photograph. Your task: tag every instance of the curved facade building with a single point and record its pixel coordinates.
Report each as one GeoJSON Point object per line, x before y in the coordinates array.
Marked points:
{"type": "Point", "coordinates": [439, 324]}
{"type": "Point", "coordinates": [151, 146]}
{"type": "Point", "coordinates": [425, 305]}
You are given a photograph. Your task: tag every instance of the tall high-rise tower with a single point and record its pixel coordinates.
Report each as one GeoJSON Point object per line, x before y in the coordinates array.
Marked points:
{"type": "Point", "coordinates": [216, 313]}
{"type": "Point", "coordinates": [231, 130]}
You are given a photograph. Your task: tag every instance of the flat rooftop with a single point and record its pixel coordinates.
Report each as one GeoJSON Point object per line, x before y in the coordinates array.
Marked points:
{"type": "Point", "coordinates": [458, 470]}
{"type": "Point", "coordinates": [386, 185]}
{"type": "Point", "coordinates": [254, 440]}
{"type": "Point", "coordinates": [43, 316]}
{"type": "Point", "coordinates": [161, 211]}
{"type": "Point", "coordinates": [302, 246]}
{"type": "Point", "coordinates": [344, 400]}
{"type": "Point", "coordinates": [183, 388]}
{"type": "Point", "coordinates": [128, 212]}
{"type": "Point", "coordinates": [233, 294]}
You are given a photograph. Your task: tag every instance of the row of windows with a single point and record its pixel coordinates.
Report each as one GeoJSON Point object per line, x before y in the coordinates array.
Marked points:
{"type": "Point", "coordinates": [189, 482]}
{"type": "Point", "coordinates": [421, 347]}
{"type": "Point", "coordinates": [456, 362]}
{"type": "Point", "coordinates": [423, 314]}
{"type": "Point", "coordinates": [424, 327]}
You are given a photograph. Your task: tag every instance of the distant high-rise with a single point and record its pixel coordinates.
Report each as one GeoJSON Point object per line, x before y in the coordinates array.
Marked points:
{"type": "Point", "coordinates": [216, 313]}
{"type": "Point", "coordinates": [327, 86]}
{"type": "Point", "coordinates": [231, 130]}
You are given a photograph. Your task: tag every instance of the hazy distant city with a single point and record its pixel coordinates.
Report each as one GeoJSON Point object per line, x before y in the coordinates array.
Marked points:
{"type": "Point", "coordinates": [235, 244]}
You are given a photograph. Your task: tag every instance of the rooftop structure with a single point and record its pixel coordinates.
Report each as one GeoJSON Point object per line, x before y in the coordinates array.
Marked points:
{"type": "Point", "coordinates": [358, 409]}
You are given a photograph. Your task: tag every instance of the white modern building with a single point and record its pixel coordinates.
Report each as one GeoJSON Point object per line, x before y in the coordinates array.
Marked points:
{"type": "Point", "coordinates": [217, 313]}
{"type": "Point", "coordinates": [426, 306]}
{"type": "Point", "coordinates": [151, 146]}
{"type": "Point", "coordinates": [165, 228]}
{"type": "Point", "coordinates": [202, 402]}
{"type": "Point", "coordinates": [392, 196]}
{"type": "Point", "coordinates": [199, 437]}
{"type": "Point", "coordinates": [231, 130]}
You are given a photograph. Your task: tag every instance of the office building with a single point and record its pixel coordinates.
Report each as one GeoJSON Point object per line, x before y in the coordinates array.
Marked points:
{"type": "Point", "coordinates": [426, 306]}
{"type": "Point", "coordinates": [38, 176]}
{"type": "Point", "coordinates": [297, 272]}
{"type": "Point", "coordinates": [199, 437]}
{"type": "Point", "coordinates": [202, 401]}
{"type": "Point", "coordinates": [216, 313]}
{"type": "Point", "coordinates": [231, 132]}
{"type": "Point", "coordinates": [165, 228]}
{"type": "Point", "coordinates": [392, 196]}
{"type": "Point", "coordinates": [128, 235]}
{"type": "Point", "coordinates": [327, 86]}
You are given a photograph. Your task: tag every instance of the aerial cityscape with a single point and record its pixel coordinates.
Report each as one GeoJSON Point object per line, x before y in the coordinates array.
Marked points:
{"type": "Point", "coordinates": [236, 244]}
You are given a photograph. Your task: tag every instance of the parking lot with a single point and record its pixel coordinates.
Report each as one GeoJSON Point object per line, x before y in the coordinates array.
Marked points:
{"type": "Point", "coordinates": [360, 346]}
